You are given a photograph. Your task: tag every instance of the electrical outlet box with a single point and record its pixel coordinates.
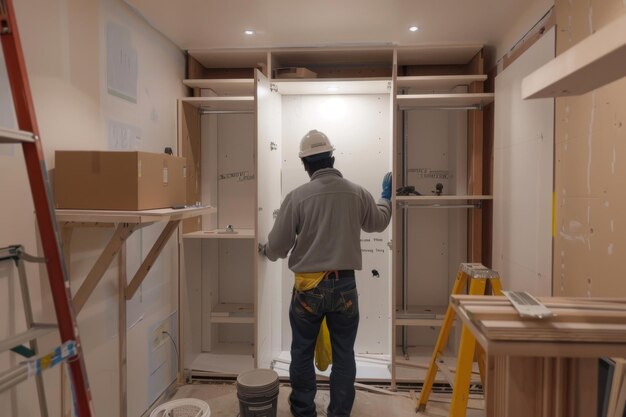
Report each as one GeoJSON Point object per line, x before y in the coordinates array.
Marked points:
{"type": "Point", "coordinates": [158, 337]}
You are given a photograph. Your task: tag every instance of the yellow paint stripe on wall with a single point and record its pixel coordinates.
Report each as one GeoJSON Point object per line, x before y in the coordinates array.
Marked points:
{"type": "Point", "coordinates": [553, 214]}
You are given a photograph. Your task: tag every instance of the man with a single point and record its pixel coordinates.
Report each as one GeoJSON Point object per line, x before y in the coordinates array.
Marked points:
{"type": "Point", "coordinates": [321, 223]}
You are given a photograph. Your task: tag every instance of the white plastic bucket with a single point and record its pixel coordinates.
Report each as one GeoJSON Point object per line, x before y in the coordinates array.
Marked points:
{"type": "Point", "coordinates": [257, 391]}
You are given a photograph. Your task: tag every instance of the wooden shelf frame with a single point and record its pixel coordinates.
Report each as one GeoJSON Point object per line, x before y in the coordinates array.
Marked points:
{"type": "Point", "coordinates": [233, 313]}
{"type": "Point", "coordinates": [329, 86]}
{"type": "Point", "coordinates": [460, 101]}
{"type": "Point", "coordinates": [125, 223]}
{"type": "Point", "coordinates": [239, 103]}
{"type": "Point", "coordinates": [242, 87]}
{"type": "Point", "coordinates": [438, 83]}
{"type": "Point", "coordinates": [221, 234]}
{"type": "Point", "coordinates": [593, 62]}
{"type": "Point", "coordinates": [420, 198]}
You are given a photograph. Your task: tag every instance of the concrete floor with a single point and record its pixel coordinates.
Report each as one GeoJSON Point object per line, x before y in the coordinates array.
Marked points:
{"type": "Point", "coordinates": [222, 398]}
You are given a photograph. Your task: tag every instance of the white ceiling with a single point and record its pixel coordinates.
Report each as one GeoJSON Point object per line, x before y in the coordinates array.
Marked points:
{"type": "Point", "coordinates": [208, 24]}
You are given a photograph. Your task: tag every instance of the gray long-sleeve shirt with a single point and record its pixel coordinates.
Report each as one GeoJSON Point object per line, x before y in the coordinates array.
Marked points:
{"type": "Point", "coordinates": [322, 221]}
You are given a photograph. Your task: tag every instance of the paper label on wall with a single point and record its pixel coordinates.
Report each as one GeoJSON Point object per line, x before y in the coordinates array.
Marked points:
{"type": "Point", "coordinates": [165, 177]}
{"type": "Point", "coordinates": [121, 71]}
{"type": "Point", "coordinates": [240, 176]}
{"type": "Point", "coordinates": [123, 136]}
{"type": "Point", "coordinates": [440, 174]}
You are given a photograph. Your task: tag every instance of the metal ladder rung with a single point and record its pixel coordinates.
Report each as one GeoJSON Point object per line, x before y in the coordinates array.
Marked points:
{"type": "Point", "coordinates": [33, 333]}
{"type": "Point", "coordinates": [15, 136]}
{"type": "Point", "coordinates": [12, 377]}
{"type": "Point", "coordinates": [16, 252]}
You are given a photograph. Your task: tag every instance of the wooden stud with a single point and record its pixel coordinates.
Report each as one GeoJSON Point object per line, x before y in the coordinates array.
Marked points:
{"type": "Point", "coordinates": [190, 147]}
{"type": "Point", "coordinates": [121, 331]}
{"type": "Point", "coordinates": [158, 246]}
{"type": "Point", "coordinates": [122, 232]}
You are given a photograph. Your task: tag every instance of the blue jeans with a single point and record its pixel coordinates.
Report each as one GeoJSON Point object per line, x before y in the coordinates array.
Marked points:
{"type": "Point", "coordinates": [337, 300]}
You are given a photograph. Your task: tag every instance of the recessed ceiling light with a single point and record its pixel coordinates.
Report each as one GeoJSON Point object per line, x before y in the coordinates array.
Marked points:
{"type": "Point", "coordinates": [333, 88]}
{"type": "Point", "coordinates": [413, 28]}
{"type": "Point", "coordinates": [248, 32]}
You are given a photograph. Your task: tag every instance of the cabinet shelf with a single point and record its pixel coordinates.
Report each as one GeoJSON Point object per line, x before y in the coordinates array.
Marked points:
{"type": "Point", "coordinates": [221, 234]}
{"type": "Point", "coordinates": [15, 136]}
{"type": "Point", "coordinates": [130, 216]}
{"type": "Point", "coordinates": [224, 87]}
{"type": "Point", "coordinates": [233, 313]}
{"type": "Point", "coordinates": [239, 103]}
{"type": "Point", "coordinates": [421, 315]}
{"type": "Point", "coordinates": [224, 358]}
{"type": "Point", "coordinates": [444, 101]}
{"type": "Point", "coordinates": [438, 82]}
{"type": "Point", "coordinates": [593, 62]}
{"type": "Point", "coordinates": [380, 85]}
{"type": "Point", "coordinates": [410, 198]}
{"type": "Point", "coordinates": [442, 202]}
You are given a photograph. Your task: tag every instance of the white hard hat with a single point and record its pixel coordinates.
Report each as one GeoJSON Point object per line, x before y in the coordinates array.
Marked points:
{"type": "Point", "coordinates": [313, 143]}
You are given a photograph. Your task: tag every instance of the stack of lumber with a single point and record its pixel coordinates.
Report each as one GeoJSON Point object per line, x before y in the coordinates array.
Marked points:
{"type": "Point", "coordinates": [548, 367]}
{"type": "Point", "coordinates": [574, 320]}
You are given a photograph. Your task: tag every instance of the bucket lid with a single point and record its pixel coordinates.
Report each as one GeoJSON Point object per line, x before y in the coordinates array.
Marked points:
{"type": "Point", "coordinates": [258, 379]}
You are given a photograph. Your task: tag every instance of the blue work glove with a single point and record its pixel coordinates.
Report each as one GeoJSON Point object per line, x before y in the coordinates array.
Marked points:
{"type": "Point", "coordinates": [386, 194]}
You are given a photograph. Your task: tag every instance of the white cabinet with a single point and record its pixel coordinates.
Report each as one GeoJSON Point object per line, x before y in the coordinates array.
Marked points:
{"type": "Point", "coordinates": [241, 138]}
{"type": "Point", "coordinates": [217, 135]}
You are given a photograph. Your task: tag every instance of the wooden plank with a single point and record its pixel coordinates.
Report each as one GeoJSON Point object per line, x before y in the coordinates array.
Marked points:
{"type": "Point", "coordinates": [131, 216]}
{"type": "Point", "coordinates": [156, 249]}
{"type": "Point", "coordinates": [239, 103]}
{"type": "Point", "coordinates": [121, 332]}
{"type": "Point", "coordinates": [122, 232]}
{"type": "Point", "coordinates": [593, 62]}
{"type": "Point", "coordinates": [426, 198]}
{"type": "Point", "coordinates": [557, 332]}
{"type": "Point", "coordinates": [438, 83]}
{"type": "Point", "coordinates": [224, 87]}
{"type": "Point", "coordinates": [475, 165]}
{"type": "Point", "coordinates": [424, 101]}
{"type": "Point", "coordinates": [221, 234]}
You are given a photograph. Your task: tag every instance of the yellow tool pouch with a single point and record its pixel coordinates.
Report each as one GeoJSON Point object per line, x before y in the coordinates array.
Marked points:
{"type": "Point", "coordinates": [323, 350]}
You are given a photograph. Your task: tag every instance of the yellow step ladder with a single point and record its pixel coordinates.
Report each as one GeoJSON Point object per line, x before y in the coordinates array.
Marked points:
{"type": "Point", "coordinates": [481, 281]}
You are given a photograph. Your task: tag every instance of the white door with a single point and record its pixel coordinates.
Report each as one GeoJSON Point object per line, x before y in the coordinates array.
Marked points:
{"type": "Point", "coordinates": [268, 192]}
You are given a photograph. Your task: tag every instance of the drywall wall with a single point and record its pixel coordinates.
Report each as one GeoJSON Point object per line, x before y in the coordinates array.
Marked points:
{"type": "Point", "coordinates": [522, 177]}
{"type": "Point", "coordinates": [65, 45]}
{"type": "Point", "coordinates": [590, 167]}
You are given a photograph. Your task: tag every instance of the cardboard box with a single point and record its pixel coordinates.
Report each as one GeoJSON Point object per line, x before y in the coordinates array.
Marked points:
{"type": "Point", "coordinates": [294, 72]}
{"type": "Point", "coordinates": [118, 180]}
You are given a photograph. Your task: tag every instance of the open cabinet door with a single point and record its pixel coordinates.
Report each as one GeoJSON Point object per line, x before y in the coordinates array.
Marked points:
{"type": "Point", "coordinates": [268, 200]}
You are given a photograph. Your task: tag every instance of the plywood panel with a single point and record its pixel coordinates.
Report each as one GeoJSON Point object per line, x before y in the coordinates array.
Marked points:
{"type": "Point", "coordinates": [589, 165]}
{"type": "Point", "coordinates": [191, 288]}
{"type": "Point", "coordinates": [358, 127]}
{"type": "Point", "coordinates": [236, 176]}
{"type": "Point", "coordinates": [523, 166]}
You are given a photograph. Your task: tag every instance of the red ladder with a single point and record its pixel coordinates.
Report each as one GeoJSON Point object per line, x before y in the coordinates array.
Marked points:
{"type": "Point", "coordinates": [42, 199]}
